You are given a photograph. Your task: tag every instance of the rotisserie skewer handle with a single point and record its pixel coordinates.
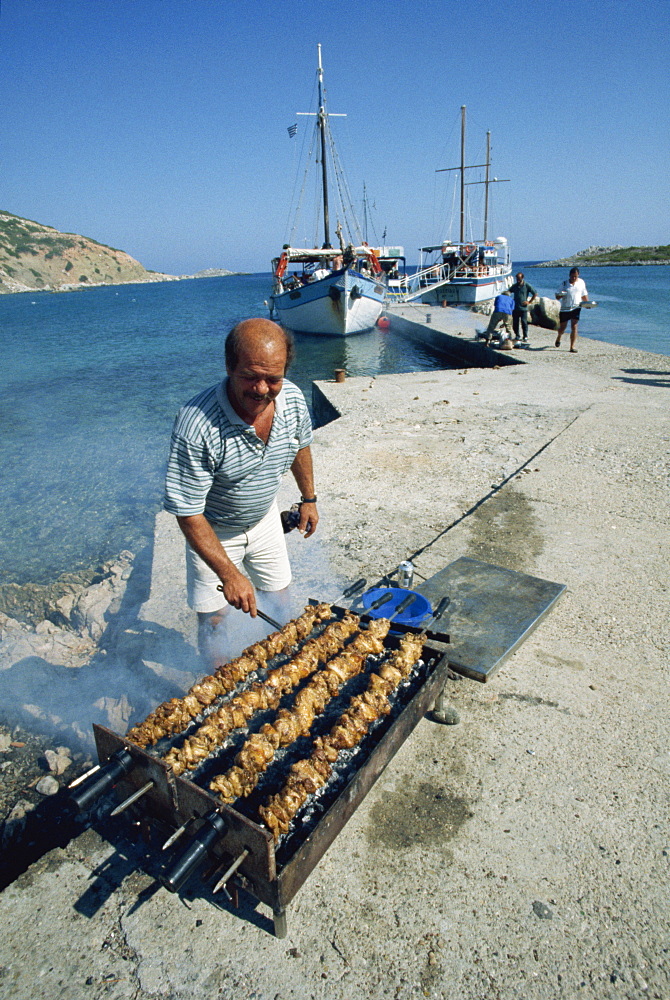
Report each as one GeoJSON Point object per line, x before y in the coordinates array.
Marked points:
{"type": "Point", "coordinates": [381, 600]}
{"type": "Point", "coordinates": [404, 604]}
{"type": "Point", "coordinates": [350, 591]}
{"type": "Point", "coordinates": [116, 767]}
{"type": "Point", "coordinates": [261, 614]}
{"type": "Point", "coordinates": [213, 828]}
{"type": "Point", "coordinates": [437, 613]}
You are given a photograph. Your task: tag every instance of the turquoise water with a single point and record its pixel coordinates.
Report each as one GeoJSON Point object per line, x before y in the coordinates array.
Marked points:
{"type": "Point", "coordinates": [633, 303]}
{"type": "Point", "coordinates": [91, 381]}
{"type": "Point", "coordinates": [90, 384]}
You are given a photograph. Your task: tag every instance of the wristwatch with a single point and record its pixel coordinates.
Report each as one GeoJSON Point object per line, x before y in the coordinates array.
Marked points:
{"type": "Point", "coordinates": [307, 499]}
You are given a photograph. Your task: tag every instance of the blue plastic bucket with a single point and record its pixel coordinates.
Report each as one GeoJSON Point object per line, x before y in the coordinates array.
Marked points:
{"type": "Point", "coordinates": [412, 615]}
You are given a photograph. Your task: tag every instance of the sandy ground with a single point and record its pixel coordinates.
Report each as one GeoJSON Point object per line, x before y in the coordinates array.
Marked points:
{"type": "Point", "coordinates": [523, 853]}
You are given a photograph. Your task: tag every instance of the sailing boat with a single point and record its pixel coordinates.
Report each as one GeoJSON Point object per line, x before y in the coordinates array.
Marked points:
{"type": "Point", "coordinates": [463, 272]}
{"type": "Point", "coordinates": [332, 291]}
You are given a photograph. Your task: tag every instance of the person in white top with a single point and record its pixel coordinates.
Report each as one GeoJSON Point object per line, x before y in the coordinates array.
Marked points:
{"type": "Point", "coordinates": [571, 294]}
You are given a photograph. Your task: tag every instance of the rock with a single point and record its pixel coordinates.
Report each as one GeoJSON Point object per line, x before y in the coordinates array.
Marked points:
{"type": "Point", "coordinates": [117, 710]}
{"type": "Point", "coordinates": [544, 313]}
{"type": "Point", "coordinates": [5, 742]}
{"type": "Point", "coordinates": [57, 762]}
{"type": "Point", "coordinates": [100, 601]}
{"type": "Point", "coordinates": [15, 822]}
{"type": "Point", "coordinates": [47, 785]}
{"type": "Point", "coordinates": [542, 911]}
{"type": "Point", "coordinates": [19, 810]}
{"type": "Point", "coordinates": [446, 715]}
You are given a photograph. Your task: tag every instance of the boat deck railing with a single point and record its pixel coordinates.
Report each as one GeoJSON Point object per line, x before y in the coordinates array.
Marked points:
{"type": "Point", "coordinates": [434, 276]}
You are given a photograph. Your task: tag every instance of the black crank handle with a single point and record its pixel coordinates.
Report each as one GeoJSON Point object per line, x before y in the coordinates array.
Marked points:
{"type": "Point", "coordinates": [437, 613]}
{"type": "Point", "coordinates": [213, 827]}
{"type": "Point", "coordinates": [353, 589]}
{"type": "Point", "coordinates": [116, 767]}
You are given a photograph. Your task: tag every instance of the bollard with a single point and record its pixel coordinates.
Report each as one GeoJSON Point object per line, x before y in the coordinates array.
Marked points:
{"type": "Point", "coordinates": [340, 374]}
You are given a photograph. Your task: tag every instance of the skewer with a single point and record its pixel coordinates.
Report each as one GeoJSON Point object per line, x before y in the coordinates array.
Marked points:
{"type": "Point", "coordinates": [261, 614]}
{"type": "Point", "coordinates": [221, 884]}
{"type": "Point", "coordinates": [270, 621]}
{"type": "Point", "coordinates": [84, 776]}
{"type": "Point", "coordinates": [122, 806]}
{"type": "Point", "coordinates": [174, 837]}
{"type": "Point", "coordinates": [437, 613]}
{"type": "Point", "coordinates": [382, 600]}
{"type": "Point", "coordinates": [350, 591]}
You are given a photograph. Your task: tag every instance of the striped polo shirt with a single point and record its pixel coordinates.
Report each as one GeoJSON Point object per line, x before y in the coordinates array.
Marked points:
{"type": "Point", "coordinates": [218, 466]}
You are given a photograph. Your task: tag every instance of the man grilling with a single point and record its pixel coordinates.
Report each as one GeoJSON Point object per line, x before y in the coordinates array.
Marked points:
{"type": "Point", "coordinates": [230, 446]}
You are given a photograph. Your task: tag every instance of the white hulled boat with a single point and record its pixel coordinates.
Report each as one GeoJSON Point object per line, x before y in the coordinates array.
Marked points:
{"type": "Point", "coordinates": [333, 291]}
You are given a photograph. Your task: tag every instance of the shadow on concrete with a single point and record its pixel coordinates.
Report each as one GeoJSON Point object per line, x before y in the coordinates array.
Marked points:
{"type": "Point", "coordinates": [145, 855]}
{"type": "Point", "coordinates": [644, 371]}
{"type": "Point", "coordinates": [658, 383]}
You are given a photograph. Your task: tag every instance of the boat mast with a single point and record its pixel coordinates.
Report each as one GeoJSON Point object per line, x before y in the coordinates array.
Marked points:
{"type": "Point", "coordinates": [324, 172]}
{"type": "Point", "coordinates": [365, 212]}
{"type": "Point", "coordinates": [487, 182]}
{"type": "Point", "coordinates": [486, 189]}
{"type": "Point", "coordinates": [462, 173]}
{"type": "Point", "coordinates": [464, 183]}
{"type": "Point", "coordinates": [463, 167]}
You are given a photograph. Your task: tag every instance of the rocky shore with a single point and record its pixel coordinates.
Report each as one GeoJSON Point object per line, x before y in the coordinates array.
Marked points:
{"type": "Point", "coordinates": [521, 853]}
{"type": "Point", "coordinates": [613, 256]}
{"type": "Point", "coordinates": [39, 258]}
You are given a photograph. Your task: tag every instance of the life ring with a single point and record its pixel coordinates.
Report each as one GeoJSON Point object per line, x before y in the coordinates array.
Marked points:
{"type": "Point", "coordinates": [468, 250]}
{"type": "Point", "coordinates": [281, 265]}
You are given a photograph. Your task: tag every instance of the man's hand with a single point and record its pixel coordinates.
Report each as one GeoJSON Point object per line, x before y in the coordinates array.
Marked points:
{"type": "Point", "coordinates": [238, 591]}
{"type": "Point", "coordinates": [309, 518]}
{"type": "Point", "coordinates": [235, 586]}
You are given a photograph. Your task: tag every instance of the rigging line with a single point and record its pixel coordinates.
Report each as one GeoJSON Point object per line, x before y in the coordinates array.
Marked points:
{"type": "Point", "coordinates": [304, 136]}
{"type": "Point", "coordinates": [496, 489]}
{"type": "Point", "coordinates": [356, 226]}
{"type": "Point", "coordinates": [340, 184]}
{"type": "Point", "coordinates": [298, 208]}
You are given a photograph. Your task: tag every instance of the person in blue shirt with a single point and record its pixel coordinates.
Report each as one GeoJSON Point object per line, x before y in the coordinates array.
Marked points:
{"type": "Point", "coordinates": [503, 307]}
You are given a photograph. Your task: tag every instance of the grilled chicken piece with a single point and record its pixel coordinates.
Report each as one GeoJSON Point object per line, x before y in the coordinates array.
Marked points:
{"type": "Point", "coordinates": [306, 776]}
{"type": "Point", "coordinates": [310, 702]}
{"type": "Point", "coordinates": [236, 713]}
{"type": "Point", "coordinates": [174, 715]}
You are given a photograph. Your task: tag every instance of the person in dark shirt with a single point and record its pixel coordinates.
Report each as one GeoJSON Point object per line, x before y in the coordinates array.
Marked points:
{"type": "Point", "coordinates": [523, 294]}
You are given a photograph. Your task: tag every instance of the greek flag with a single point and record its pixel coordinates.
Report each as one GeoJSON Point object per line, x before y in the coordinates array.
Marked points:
{"type": "Point", "coordinates": [292, 129]}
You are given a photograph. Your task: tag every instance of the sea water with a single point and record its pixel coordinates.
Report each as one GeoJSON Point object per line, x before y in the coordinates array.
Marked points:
{"type": "Point", "coordinates": [89, 387]}
{"type": "Point", "coordinates": [91, 380]}
{"type": "Point", "coordinates": [633, 303]}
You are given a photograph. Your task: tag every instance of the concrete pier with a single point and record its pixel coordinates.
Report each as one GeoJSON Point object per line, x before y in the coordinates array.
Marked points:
{"type": "Point", "coordinates": [523, 853]}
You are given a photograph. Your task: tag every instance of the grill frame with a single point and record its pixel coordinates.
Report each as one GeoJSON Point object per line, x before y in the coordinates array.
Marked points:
{"type": "Point", "coordinates": [174, 800]}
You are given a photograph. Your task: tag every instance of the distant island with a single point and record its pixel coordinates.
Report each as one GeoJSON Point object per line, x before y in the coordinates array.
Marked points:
{"type": "Point", "coordinates": [34, 258]}
{"type": "Point", "coordinates": [612, 257]}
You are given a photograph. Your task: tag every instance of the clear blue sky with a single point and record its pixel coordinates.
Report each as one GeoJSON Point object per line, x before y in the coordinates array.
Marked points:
{"type": "Point", "coordinates": [159, 126]}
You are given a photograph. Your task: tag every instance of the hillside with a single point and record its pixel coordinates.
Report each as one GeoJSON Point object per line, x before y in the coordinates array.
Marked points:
{"type": "Point", "coordinates": [612, 257]}
{"type": "Point", "coordinates": [34, 257]}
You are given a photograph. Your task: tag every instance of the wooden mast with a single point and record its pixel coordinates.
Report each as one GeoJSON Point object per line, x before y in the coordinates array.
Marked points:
{"type": "Point", "coordinates": [324, 172]}
{"type": "Point", "coordinates": [462, 173]}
